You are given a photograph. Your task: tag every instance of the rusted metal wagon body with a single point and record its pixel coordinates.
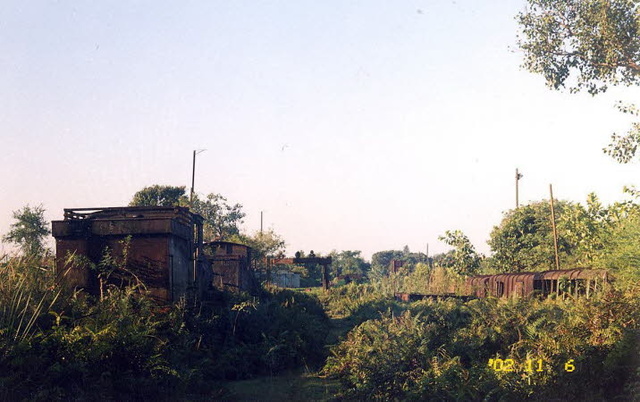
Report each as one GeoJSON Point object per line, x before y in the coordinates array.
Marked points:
{"type": "Point", "coordinates": [164, 247]}
{"type": "Point", "coordinates": [231, 265]}
{"type": "Point", "coordinates": [412, 297]}
{"type": "Point", "coordinates": [523, 284]}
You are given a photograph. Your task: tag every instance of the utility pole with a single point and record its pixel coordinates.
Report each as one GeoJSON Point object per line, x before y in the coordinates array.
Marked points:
{"type": "Point", "coordinates": [518, 177]}
{"type": "Point", "coordinates": [193, 174]}
{"type": "Point", "coordinates": [555, 233]}
{"type": "Point", "coordinates": [261, 213]}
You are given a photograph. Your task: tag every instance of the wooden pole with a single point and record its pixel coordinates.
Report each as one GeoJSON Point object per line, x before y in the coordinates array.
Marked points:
{"type": "Point", "coordinates": [193, 175]}
{"type": "Point", "coordinates": [517, 179]}
{"type": "Point", "coordinates": [193, 178]}
{"type": "Point", "coordinates": [553, 225]}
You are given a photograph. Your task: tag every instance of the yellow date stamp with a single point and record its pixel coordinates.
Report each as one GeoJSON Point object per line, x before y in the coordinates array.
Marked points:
{"type": "Point", "coordinates": [529, 365]}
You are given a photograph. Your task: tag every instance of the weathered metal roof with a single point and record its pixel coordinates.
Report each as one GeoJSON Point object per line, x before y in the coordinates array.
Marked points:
{"type": "Point", "coordinates": [576, 273]}
{"type": "Point", "coordinates": [224, 243]}
{"type": "Point", "coordinates": [114, 213]}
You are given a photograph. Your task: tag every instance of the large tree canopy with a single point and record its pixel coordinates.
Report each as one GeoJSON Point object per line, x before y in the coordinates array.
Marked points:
{"type": "Point", "coordinates": [348, 262]}
{"type": "Point", "coordinates": [586, 44]}
{"type": "Point", "coordinates": [29, 230]}
{"type": "Point", "coordinates": [263, 244]}
{"type": "Point", "coordinates": [381, 260]}
{"type": "Point", "coordinates": [582, 44]}
{"type": "Point", "coordinates": [221, 219]}
{"type": "Point", "coordinates": [157, 195]}
{"type": "Point", "coordinates": [524, 239]}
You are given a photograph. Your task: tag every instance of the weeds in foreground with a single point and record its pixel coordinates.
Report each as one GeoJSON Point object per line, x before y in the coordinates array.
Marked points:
{"type": "Point", "coordinates": [57, 344]}
{"type": "Point", "coordinates": [443, 350]}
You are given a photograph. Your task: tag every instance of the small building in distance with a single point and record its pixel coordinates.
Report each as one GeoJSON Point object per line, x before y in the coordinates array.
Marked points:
{"type": "Point", "coordinates": [231, 266]}
{"type": "Point", "coordinates": [285, 279]}
{"type": "Point", "coordinates": [160, 246]}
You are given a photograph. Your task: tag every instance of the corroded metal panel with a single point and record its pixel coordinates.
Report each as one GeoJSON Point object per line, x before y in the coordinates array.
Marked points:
{"type": "Point", "coordinates": [523, 284]}
{"type": "Point", "coordinates": [231, 265]}
{"type": "Point", "coordinates": [126, 227]}
{"type": "Point", "coordinates": [160, 243]}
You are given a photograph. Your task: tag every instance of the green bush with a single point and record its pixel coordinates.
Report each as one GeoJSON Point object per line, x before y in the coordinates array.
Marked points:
{"type": "Point", "coordinates": [441, 350]}
{"type": "Point", "coordinates": [56, 345]}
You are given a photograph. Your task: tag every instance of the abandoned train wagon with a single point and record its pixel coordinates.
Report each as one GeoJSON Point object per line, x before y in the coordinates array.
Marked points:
{"type": "Point", "coordinates": [524, 284]}
{"type": "Point", "coordinates": [231, 265]}
{"type": "Point", "coordinates": [164, 248]}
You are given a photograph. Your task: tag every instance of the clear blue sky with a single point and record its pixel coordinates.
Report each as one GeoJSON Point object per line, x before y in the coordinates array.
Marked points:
{"type": "Point", "coordinates": [362, 125]}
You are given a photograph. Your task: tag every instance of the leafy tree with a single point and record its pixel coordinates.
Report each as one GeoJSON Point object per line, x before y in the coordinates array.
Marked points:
{"type": "Point", "coordinates": [157, 195]}
{"type": "Point", "coordinates": [221, 220]}
{"type": "Point", "coordinates": [623, 252]}
{"type": "Point", "coordinates": [586, 44]}
{"type": "Point", "coordinates": [263, 244]}
{"type": "Point", "coordinates": [524, 238]}
{"type": "Point", "coordinates": [623, 147]}
{"type": "Point", "coordinates": [29, 231]}
{"type": "Point", "coordinates": [588, 228]}
{"type": "Point", "coordinates": [464, 259]}
{"type": "Point", "coordinates": [442, 259]}
{"type": "Point", "coordinates": [381, 260]}
{"type": "Point", "coordinates": [348, 262]}
{"type": "Point", "coordinates": [595, 42]}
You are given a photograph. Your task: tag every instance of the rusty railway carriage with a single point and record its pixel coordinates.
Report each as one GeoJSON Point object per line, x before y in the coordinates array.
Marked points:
{"type": "Point", "coordinates": [523, 284]}
{"type": "Point", "coordinates": [165, 247]}
{"type": "Point", "coordinates": [231, 266]}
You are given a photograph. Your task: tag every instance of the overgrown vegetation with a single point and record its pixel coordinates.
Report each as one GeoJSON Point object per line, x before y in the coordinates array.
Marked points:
{"type": "Point", "coordinates": [441, 350]}
{"type": "Point", "coordinates": [59, 345]}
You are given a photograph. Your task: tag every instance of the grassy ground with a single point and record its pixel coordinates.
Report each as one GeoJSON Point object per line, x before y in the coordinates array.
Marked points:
{"type": "Point", "coordinates": [296, 386]}
{"type": "Point", "coordinates": [289, 387]}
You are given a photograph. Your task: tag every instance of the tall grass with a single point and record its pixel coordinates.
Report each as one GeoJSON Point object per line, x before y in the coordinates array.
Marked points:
{"type": "Point", "coordinates": [28, 292]}
{"type": "Point", "coordinates": [58, 344]}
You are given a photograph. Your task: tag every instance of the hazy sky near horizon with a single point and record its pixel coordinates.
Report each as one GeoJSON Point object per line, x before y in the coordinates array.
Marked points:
{"type": "Point", "coordinates": [360, 125]}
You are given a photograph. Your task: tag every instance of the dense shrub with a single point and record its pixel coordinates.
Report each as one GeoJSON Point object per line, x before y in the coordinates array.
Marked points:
{"type": "Point", "coordinates": [109, 347]}
{"type": "Point", "coordinates": [244, 336]}
{"type": "Point", "coordinates": [441, 350]}
{"type": "Point", "coordinates": [57, 345]}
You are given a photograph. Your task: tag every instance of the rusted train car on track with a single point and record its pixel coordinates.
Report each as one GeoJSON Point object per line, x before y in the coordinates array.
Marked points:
{"type": "Point", "coordinates": [576, 282]}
